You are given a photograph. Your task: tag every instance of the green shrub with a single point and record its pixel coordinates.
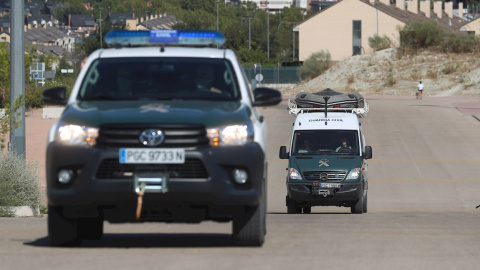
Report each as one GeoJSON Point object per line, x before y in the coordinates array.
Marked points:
{"type": "Point", "coordinates": [315, 65]}
{"type": "Point", "coordinates": [351, 78]}
{"type": "Point", "coordinates": [419, 35]}
{"type": "Point", "coordinates": [459, 43]}
{"type": "Point", "coordinates": [432, 73]}
{"type": "Point", "coordinates": [390, 79]}
{"type": "Point", "coordinates": [415, 74]}
{"type": "Point", "coordinates": [18, 183]}
{"type": "Point", "coordinates": [378, 43]}
{"type": "Point", "coordinates": [428, 35]}
{"type": "Point", "coordinates": [449, 68]}
{"type": "Point", "coordinates": [33, 97]}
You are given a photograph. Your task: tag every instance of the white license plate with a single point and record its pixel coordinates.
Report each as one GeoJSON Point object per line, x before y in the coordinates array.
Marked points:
{"type": "Point", "coordinates": [154, 155]}
{"type": "Point", "coordinates": [330, 185]}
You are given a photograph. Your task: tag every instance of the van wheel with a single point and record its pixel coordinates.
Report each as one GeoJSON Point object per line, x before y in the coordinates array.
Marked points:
{"type": "Point", "coordinates": [249, 229]}
{"type": "Point", "coordinates": [61, 231]}
{"type": "Point", "coordinates": [358, 207]}
{"type": "Point", "coordinates": [292, 208]}
{"type": "Point", "coordinates": [307, 210]}
{"type": "Point", "coordinates": [365, 208]}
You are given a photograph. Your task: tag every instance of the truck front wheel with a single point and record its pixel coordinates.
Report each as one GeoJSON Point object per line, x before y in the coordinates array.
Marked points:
{"type": "Point", "coordinates": [249, 229]}
{"type": "Point", "coordinates": [61, 231]}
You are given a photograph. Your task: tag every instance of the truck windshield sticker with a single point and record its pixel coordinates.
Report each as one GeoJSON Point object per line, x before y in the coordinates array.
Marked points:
{"type": "Point", "coordinates": [323, 162]}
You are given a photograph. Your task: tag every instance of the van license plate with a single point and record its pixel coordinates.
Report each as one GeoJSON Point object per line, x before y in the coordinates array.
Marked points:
{"type": "Point", "coordinates": [156, 155]}
{"type": "Point", "coordinates": [330, 185]}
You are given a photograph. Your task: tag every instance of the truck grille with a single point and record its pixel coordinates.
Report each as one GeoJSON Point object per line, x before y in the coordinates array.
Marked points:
{"type": "Point", "coordinates": [127, 135]}
{"type": "Point", "coordinates": [324, 175]}
{"type": "Point", "coordinates": [113, 169]}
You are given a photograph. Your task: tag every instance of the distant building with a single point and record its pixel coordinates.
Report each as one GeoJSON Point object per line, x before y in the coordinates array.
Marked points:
{"type": "Point", "coordinates": [83, 24]}
{"type": "Point", "coordinates": [155, 22]}
{"type": "Point", "coordinates": [274, 5]}
{"type": "Point", "coordinates": [343, 28]}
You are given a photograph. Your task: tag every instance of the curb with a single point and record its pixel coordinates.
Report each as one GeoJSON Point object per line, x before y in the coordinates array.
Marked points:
{"type": "Point", "coordinates": [26, 211]}
{"type": "Point", "coordinates": [52, 112]}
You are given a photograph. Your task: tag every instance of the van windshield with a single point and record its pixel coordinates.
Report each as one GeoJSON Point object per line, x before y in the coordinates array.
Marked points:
{"type": "Point", "coordinates": [325, 142]}
{"type": "Point", "coordinates": [160, 78]}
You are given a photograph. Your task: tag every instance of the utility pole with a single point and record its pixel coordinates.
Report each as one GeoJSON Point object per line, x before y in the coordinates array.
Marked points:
{"type": "Point", "coordinates": [249, 32]}
{"type": "Point", "coordinates": [100, 20]}
{"type": "Point", "coordinates": [17, 77]}
{"type": "Point", "coordinates": [146, 19]}
{"type": "Point", "coordinates": [268, 31]}
{"type": "Point", "coordinates": [218, 1]}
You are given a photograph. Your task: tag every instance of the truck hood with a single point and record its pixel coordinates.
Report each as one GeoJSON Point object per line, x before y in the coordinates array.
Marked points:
{"type": "Point", "coordinates": [208, 113]}
{"type": "Point", "coordinates": [325, 163]}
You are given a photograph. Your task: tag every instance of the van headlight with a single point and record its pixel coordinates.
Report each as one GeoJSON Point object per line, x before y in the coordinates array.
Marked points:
{"type": "Point", "coordinates": [353, 174]}
{"type": "Point", "coordinates": [294, 174]}
{"type": "Point", "coordinates": [76, 135]}
{"type": "Point", "coordinates": [230, 135]}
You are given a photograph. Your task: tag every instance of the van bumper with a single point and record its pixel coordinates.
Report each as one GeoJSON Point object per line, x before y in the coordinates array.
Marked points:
{"type": "Point", "coordinates": [346, 195]}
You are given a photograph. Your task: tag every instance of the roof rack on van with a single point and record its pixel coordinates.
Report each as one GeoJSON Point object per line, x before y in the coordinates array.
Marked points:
{"type": "Point", "coordinates": [361, 112]}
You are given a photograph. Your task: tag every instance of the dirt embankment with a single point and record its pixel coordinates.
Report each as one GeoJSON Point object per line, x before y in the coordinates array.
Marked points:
{"type": "Point", "coordinates": [390, 72]}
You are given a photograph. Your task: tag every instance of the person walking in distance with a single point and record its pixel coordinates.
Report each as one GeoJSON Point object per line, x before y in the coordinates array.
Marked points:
{"type": "Point", "coordinates": [420, 90]}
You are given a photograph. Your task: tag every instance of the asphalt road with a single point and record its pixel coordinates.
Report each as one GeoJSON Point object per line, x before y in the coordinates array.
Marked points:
{"type": "Point", "coordinates": [424, 187]}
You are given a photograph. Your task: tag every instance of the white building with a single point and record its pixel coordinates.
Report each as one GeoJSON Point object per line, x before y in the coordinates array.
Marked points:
{"type": "Point", "coordinates": [276, 5]}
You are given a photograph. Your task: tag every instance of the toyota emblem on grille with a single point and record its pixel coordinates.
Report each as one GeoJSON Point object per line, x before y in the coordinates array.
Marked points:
{"type": "Point", "coordinates": [324, 176]}
{"type": "Point", "coordinates": [151, 137]}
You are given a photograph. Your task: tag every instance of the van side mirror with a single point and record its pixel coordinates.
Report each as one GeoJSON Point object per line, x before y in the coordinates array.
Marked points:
{"type": "Point", "coordinates": [55, 95]}
{"type": "Point", "coordinates": [368, 152]}
{"type": "Point", "coordinates": [283, 154]}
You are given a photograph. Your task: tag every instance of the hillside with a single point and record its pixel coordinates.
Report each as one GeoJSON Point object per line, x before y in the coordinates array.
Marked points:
{"type": "Point", "coordinates": [391, 73]}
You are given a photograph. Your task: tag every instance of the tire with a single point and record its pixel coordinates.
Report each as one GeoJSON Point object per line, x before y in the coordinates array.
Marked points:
{"type": "Point", "coordinates": [249, 228]}
{"type": "Point", "coordinates": [365, 205]}
{"type": "Point", "coordinates": [358, 207]}
{"type": "Point", "coordinates": [90, 228]}
{"type": "Point", "coordinates": [291, 207]}
{"type": "Point", "coordinates": [61, 231]}
{"type": "Point", "coordinates": [307, 210]}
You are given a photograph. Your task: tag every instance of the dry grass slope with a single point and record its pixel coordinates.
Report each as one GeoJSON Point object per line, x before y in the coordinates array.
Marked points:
{"type": "Point", "coordinates": [393, 72]}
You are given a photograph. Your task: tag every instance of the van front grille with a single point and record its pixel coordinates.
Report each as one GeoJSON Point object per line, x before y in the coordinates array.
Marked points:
{"type": "Point", "coordinates": [324, 175]}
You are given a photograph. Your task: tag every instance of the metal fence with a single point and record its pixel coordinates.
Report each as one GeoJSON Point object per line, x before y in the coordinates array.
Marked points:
{"type": "Point", "coordinates": [274, 75]}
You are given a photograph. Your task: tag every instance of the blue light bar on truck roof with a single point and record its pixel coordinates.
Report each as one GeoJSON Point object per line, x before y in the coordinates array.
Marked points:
{"type": "Point", "coordinates": [180, 37]}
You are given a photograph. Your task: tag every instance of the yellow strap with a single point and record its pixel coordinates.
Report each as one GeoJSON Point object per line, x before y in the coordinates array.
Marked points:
{"type": "Point", "coordinates": [140, 201]}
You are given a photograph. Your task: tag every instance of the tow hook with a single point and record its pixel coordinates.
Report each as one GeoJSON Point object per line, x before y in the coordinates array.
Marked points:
{"type": "Point", "coordinates": [323, 192]}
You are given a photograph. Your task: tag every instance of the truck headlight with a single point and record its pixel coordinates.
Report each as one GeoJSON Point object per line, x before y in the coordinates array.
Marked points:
{"type": "Point", "coordinates": [230, 135]}
{"type": "Point", "coordinates": [76, 135]}
{"type": "Point", "coordinates": [353, 174]}
{"type": "Point", "coordinates": [294, 174]}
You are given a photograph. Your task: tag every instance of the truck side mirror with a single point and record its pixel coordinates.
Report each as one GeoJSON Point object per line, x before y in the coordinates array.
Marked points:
{"type": "Point", "coordinates": [368, 152]}
{"type": "Point", "coordinates": [55, 95]}
{"type": "Point", "coordinates": [266, 97]}
{"type": "Point", "coordinates": [283, 154]}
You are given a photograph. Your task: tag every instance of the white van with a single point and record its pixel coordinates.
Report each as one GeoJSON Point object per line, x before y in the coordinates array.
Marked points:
{"type": "Point", "coordinates": [327, 162]}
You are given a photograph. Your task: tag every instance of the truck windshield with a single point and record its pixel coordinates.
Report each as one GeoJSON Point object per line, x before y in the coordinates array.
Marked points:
{"type": "Point", "coordinates": [325, 142]}
{"type": "Point", "coordinates": [159, 78]}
